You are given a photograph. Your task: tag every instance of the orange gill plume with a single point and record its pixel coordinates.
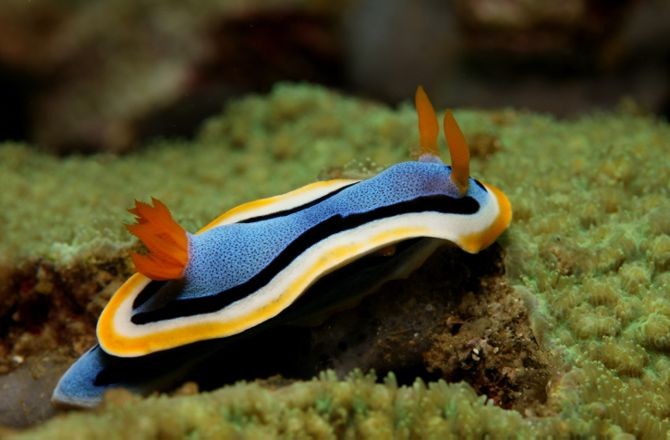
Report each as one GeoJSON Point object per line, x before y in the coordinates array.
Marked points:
{"type": "Point", "coordinates": [165, 240]}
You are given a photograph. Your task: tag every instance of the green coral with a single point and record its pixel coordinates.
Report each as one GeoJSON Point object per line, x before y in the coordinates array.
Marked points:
{"type": "Point", "coordinates": [57, 209]}
{"type": "Point", "coordinates": [589, 240]}
{"type": "Point", "coordinates": [324, 407]}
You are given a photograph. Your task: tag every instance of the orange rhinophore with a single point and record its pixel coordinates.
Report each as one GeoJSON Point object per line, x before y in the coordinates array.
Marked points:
{"type": "Point", "coordinates": [428, 132]}
{"type": "Point", "coordinates": [428, 128]}
{"type": "Point", "coordinates": [460, 154]}
{"type": "Point", "coordinates": [166, 241]}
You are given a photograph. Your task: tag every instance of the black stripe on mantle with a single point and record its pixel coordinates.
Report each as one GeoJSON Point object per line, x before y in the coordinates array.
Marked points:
{"type": "Point", "coordinates": [295, 209]}
{"type": "Point", "coordinates": [194, 306]}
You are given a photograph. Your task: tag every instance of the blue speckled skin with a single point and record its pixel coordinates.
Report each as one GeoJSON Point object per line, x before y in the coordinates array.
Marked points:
{"type": "Point", "coordinates": [80, 385]}
{"type": "Point", "coordinates": [229, 255]}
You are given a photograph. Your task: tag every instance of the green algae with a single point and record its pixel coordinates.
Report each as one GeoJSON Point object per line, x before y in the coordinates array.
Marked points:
{"type": "Point", "coordinates": [589, 240]}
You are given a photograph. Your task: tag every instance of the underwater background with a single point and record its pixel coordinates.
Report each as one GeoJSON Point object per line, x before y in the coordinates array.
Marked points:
{"type": "Point", "coordinates": [561, 328]}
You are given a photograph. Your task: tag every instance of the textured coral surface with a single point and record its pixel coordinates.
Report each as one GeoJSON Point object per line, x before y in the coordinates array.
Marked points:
{"type": "Point", "coordinates": [588, 250]}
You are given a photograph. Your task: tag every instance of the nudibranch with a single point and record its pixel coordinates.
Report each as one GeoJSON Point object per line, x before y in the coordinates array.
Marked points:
{"type": "Point", "coordinates": [252, 263]}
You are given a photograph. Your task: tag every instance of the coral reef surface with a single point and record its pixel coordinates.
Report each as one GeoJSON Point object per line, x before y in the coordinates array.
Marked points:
{"type": "Point", "coordinates": [588, 254]}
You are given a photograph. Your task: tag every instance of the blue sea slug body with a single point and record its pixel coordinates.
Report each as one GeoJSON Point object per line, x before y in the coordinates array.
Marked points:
{"type": "Point", "coordinates": [251, 264]}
